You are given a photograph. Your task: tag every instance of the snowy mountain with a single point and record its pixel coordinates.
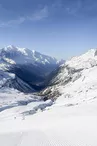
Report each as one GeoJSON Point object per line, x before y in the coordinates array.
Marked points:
{"type": "Point", "coordinates": [28, 66]}
{"type": "Point", "coordinates": [76, 79]}
{"type": "Point", "coordinates": [69, 117]}
{"type": "Point", "coordinates": [15, 55]}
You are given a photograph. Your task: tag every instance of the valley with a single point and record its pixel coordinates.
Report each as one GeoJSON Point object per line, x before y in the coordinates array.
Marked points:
{"type": "Point", "coordinates": [45, 103]}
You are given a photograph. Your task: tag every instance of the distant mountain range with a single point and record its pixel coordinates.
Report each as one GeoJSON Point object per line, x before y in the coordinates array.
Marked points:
{"type": "Point", "coordinates": [24, 69]}
{"type": "Point", "coordinates": [75, 79]}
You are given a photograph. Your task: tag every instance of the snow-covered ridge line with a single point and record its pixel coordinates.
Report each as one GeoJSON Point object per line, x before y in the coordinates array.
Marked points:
{"type": "Point", "coordinates": [86, 60]}
{"type": "Point", "coordinates": [11, 51]}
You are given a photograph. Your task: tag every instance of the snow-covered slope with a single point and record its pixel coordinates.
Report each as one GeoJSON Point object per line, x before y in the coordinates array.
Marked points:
{"type": "Point", "coordinates": [75, 79]}
{"type": "Point", "coordinates": [26, 119]}
{"type": "Point", "coordinates": [84, 61]}
{"type": "Point", "coordinates": [24, 103]}
{"type": "Point", "coordinates": [57, 125]}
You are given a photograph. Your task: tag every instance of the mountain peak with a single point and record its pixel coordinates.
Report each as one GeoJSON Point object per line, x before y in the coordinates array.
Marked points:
{"type": "Point", "coordinates": [85, 60]}
{"type": "Point", "coordinates": [12, 49]}
{"type": "Point", "coordinates": [33, 51]}
{"type": "Point", "coordinates": [30, 66]}
{"type": "Point", "coordinates": [11, 46]}
{"type": "Point", "coordinates": [91, 53]}
{"type": "Point", "coordinates": [22, 56]}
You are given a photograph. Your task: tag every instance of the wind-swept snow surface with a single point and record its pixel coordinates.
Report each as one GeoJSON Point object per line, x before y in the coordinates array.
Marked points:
{"type": "Point", "coordinates": [57, 126]}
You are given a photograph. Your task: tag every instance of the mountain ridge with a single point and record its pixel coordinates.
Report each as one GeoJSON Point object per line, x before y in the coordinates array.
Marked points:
{"type": "Point", "coordinates": [30, 66]}
{"type": "Point", "coordinates": [73, 74]}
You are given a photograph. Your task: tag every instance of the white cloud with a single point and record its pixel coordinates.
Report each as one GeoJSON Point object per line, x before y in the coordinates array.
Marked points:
{"type": "Point", "coordinates": [36, 16]}
{"type": "Point", "coordinates": [12, 22]}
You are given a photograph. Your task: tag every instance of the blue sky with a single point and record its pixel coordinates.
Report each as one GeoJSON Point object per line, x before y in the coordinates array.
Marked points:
{"type": "Point", "coordinates": [60, 28]}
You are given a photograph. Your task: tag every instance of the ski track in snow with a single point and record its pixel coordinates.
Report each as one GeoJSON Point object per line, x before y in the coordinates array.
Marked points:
{"type": "Point", "coordinates": [57, 126]}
